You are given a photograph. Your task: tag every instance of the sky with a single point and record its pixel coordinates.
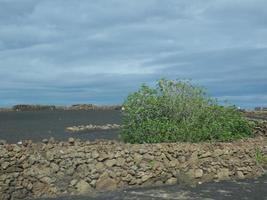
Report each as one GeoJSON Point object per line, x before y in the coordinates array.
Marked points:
{"type": "Point", "coordinates": [65, 52]}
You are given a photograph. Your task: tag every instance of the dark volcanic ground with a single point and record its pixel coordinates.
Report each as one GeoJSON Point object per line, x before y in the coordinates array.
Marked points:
{"type": "Point", "coordinates": [251, 189]}
{"type": "Point", "coordinates": [37, 125]}
{"type": "Point", "coordinates": [16, 126]}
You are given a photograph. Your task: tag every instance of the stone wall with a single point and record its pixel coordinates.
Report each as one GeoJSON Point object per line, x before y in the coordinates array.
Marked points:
{"type": "Point", "coordinates": [75, 167]}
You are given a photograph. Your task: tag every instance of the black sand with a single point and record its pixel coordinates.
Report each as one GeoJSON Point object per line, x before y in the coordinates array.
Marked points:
{"type": "Point", "coordinates": [37, 125]}
{"type": "Point", "coordinates": [250, 189]}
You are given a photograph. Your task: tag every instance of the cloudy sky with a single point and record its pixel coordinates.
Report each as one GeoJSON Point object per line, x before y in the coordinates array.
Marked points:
{"type": "Point", "coordinates": [80, 51]}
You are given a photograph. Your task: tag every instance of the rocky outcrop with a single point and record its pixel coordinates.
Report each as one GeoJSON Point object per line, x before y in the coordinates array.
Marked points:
{"type": "Point", "coordinates": [260, 108]}
{"type": "Point", "coordinates": [92, 127]}
{"type": "Point", "coordinates": [55, 168]}
{"type": "Point", "coordinates": [28, 107]}
{"type": "Point", "coordinates": [23, 107]}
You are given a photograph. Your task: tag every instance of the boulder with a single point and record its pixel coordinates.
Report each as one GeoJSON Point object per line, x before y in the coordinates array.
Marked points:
{"type": "Point", "coordinates": [5, 165]}
{"type": "Point", "coordinates": [2, 142]}
{"type": "Point", "coordinates": [99, 167]}
{"type": "Point", "coordinates": [146, 177]}
{"type": "Point", "coordinates": [106, 183]}
{"type": "Point", "coordinates": [73, 182]}
{"type": "Point", "coordinates": [240, 175]}
{"type": "Point", "coordinates": [83, 187]}
{"type": "Point", "coordinates": [50, 155]}
{"type": "Point", "coordinates": [223, 174]}
{"type": "Point", "coordinates": [218, 152]}
{"type": "Point", "coordinates": [198, 173]}
{"type": "Point", "coordinates": [45, 141]}
{"type": "Point", "coordinates": [71, 140]}
{"type": "Point", "coordinates": [55, 167]}
{"type": "Point", "coordinates": [95, 154]}
{"type": "Point", "coordinates": [205, 155]}
{"type": "Point", "coordinates": [110, 163]}
{"type": "Point", "coordinates": [171, 181]}
{"type": "Point", "coordinates": [127, 178]}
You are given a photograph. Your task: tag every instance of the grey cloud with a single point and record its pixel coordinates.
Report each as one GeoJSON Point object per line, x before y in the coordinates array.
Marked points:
{"type": "Point", "coordinates": [13, 11]}
{"type": "Point", "coordinates": [245, 11]}
{"type": "Point", "coordinates": [230, 71]}
{"type": "Point", "coordinates": [66, 51]}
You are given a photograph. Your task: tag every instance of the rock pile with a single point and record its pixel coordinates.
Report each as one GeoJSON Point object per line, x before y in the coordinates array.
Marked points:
{"type": "Point", "coordinates": [54, 168]}
{"type": "Point", "coordinates": [92, 127]}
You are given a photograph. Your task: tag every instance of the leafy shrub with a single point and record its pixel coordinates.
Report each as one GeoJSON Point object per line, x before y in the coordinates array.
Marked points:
{"type": "Point", "coordinates": [261, 159]}
{"type": "Point", "coordinates": [179, 111]}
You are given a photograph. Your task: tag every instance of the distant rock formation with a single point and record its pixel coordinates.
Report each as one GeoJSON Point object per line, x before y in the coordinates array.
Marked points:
{"type": "Point", "coordinates": [24, 107]}
{"type": "Point", "coordinates": [28, 107]}
{"type": "Point", "coordinates": [260, 108]}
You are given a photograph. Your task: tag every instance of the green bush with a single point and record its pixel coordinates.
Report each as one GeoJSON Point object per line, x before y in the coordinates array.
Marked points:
{"type": "Point", "coordinates": [179, 111]}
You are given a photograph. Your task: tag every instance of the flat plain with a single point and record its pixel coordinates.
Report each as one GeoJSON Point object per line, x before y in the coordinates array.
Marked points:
{"type": "Point", "coordinates": [38, 125]}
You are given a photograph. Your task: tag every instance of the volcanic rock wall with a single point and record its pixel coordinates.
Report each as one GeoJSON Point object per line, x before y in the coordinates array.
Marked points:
{"type": "Point", "coordinates": [74, 167]}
